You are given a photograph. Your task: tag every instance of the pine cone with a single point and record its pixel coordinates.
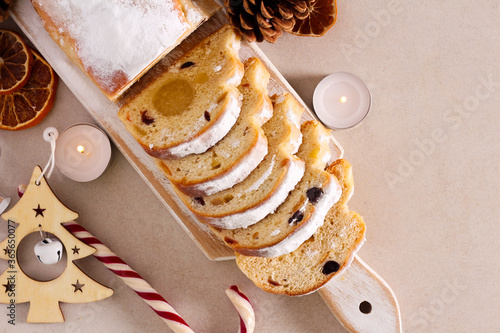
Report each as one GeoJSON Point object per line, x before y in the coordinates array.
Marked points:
{"type": "Point", "coordinates": [259, 20]}
{"type": "Point", "coordinates": [4, 9]}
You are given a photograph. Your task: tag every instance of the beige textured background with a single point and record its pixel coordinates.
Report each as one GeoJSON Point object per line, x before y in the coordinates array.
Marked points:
{"type": "Point", "coordinates": [426, 167]}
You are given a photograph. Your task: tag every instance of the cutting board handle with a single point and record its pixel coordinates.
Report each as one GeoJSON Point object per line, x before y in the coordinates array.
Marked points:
{"type": "Point", "coordinates": [362, 301]}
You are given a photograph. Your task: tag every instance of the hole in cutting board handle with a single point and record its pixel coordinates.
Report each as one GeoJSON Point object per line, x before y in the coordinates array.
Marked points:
{"type": "Point", "coordinates": [365, 307]}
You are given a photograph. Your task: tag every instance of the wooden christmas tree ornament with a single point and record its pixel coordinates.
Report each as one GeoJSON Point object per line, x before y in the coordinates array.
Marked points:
{"type": "Point", "coordinates": [39, 209]}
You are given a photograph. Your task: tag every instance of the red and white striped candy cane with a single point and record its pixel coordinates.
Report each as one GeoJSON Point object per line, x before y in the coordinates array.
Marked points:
{"type": "Point", "coordinates": [131, 278]}
{"type": "Point", "coordinates": [244, 308]}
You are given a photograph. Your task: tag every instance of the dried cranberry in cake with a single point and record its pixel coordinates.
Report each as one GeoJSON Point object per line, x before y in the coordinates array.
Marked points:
{"type": "Point", "coordinates": [146, 119]}
{"type": "Point", "coordinates": [274, 283]}
{"type": "Point", "coordinates": [296, 217]}
{"type": "Point", "coordinates": [187, 64]}
{"type": "Point", "coordinates": [230, 240]}
{"type": "Point", "coordinates": [207, 116]}
{"type": "Point", "coordinates": [330, 267]}
{"type": "Point", "coordinates": [313, 194]}
{"type": "Point", "coordinates": [199, 200]}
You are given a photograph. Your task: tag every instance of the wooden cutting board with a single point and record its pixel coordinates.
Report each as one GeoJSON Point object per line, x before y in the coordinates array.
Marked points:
{"type": "Point", "coordinates": [359, 284]}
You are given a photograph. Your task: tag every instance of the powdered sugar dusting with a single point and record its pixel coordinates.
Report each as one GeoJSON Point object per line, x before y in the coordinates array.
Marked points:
{"type": "Point", "coordinates": [194, 14]}
{"type": "Point", "coordinates": [293, 117]}
{"type": "Point", "coordinates": [235, 144]}
{"type": "Point", "coordinates": [252, 215]}
{"type": "Point", "coordinates": [304, 205]}
{"type": "Point", "coordinates": [262, 179]}
{"type": "Point", "coordinates": [325, 141]}
{"type": "Point", "coordinates": [236, 174]}
{"type": "Point", "coordinates": [118, 37]}
{"type": "Point", "coordinates": [332, 193]}
{"type": "Point", "coordinates": [275, 232]}
{"type": "Point", "coordinates": [235, 80]}
{"type": "Point", "coordinates": [280, 99]}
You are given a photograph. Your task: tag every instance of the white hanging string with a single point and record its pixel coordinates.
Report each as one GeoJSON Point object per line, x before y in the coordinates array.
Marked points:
{"type": "Point", "coordinates": [50, 135]}
{"type": "Point", "coordinates": [41, 232]}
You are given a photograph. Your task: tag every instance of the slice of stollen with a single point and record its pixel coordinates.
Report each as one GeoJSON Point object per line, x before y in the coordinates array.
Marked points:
{"type": "Point", "coordinates": [268, 185]}
{"type": "Point", "coordinates": [329, 251]}
{"type": "Point", "coordinates": [303, 211]}
{"type": "Point", "coordinates": [234, 157]}
{"type": "Point", "coordinates": [193, 104]}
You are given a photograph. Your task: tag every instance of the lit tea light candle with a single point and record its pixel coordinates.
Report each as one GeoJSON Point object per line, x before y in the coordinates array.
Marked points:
{"type": "Point", "coordinates": [82, 152]}
{"type": "Point", "coordinates": [341, 100]}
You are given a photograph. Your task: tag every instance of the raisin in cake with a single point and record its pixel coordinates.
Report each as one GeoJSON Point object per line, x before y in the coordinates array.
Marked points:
{"type": "Point", "coordinates": [268, 185]}
{"type": "Point", "coordinates": [231, 159]}
{"type": "Point", "coordinates": [304, 210]}
{"type": "Point", "coordinates": [194, 104]}
{"type": "Point", "coordinates": [320, 258]}
{"type": "Point", "coordinates": [114, 42]}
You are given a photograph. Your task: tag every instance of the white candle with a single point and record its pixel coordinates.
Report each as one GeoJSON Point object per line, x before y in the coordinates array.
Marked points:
{"type": "Point", "coordinates": [4, 203]}
{"type": "Point", "coordinates": [82, 152]}
{"type": "Point", "coordinates": [341, 100]}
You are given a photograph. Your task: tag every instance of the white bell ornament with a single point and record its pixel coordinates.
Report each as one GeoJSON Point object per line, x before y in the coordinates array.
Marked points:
{"type": "Point", "coordinates": [49, 251]}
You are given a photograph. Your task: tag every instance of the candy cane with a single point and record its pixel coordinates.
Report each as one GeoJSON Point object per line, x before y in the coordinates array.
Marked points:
{"type": "Point", "coordinates": [131, 278]}
{"type": "Point", "coordinates": [21, 189]}
{"type": "Point", "coordinates": [244, 308]}
{"type": "Point", "coordinates": [144, 289]}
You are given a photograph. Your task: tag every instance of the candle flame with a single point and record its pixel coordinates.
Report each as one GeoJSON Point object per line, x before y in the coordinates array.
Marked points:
{"type": "Point", "coordinates": [81, 149]}
{"type": "Point", "coordinates": [343, 99]}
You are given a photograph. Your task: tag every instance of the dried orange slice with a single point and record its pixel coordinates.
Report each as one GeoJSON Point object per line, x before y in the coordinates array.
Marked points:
{"type": "Point", "coordinates": [27, 107]}
{"type": "Point", "coordinates": [322, 16]}
{"type": "Point", "coordinates": [15, 62]}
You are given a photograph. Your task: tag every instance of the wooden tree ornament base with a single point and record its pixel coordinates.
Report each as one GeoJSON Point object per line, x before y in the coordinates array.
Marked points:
{"type": "Point", "coordinates": [40, 208]}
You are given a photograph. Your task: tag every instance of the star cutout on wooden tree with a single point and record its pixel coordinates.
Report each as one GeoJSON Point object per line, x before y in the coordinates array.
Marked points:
{"type": "Point", "coordinates": [76, 250]}
{"type": "Point", "coordinates": [39, 211]}
{"type": "Point", "coordinates": [9, 286]}
{"type": "Point", "coordinates": [78, 286]}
